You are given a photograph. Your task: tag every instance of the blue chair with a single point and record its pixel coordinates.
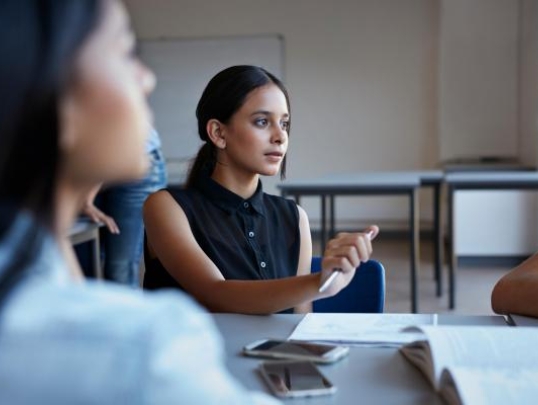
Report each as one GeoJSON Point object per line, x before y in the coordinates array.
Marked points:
{"type": "Point", "coordinates": [365, 293]}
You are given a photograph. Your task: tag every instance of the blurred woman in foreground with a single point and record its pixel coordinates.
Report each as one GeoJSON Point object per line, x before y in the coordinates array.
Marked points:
{"type": "Point", "coordinates": [73, 114]}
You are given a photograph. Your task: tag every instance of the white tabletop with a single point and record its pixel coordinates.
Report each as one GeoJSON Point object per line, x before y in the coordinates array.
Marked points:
{"type": "Point", "coordinates": [492, 178]}
{"type": "Point", "coordinates": [367, 375]}
{"type": "Point", "coordinates": [83, 225]}
{"type": "Point", "coordinates": [370, 180]}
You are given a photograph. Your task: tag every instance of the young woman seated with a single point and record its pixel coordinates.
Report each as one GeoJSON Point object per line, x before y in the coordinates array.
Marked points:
{"type": "Point", "coordinates": [221, 238]}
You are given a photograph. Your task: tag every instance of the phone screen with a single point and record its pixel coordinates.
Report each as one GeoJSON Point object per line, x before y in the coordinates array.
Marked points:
{"type": "Point", "coordinates": [299, 348]}
{"type": "Point", "coordinates": [296, 378]}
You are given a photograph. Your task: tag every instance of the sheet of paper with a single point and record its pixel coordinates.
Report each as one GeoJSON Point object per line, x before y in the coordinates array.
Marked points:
{"type": "Point", "coordinates": [380, 330]}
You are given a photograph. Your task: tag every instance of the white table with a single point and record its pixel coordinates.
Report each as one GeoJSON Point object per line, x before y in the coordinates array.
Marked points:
{"type": "Point", "coordinates": [367, 375]}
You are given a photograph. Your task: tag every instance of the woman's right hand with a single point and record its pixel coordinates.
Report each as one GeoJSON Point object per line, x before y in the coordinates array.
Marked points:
{"type": "Point", "coordinates": [96, 215]}
{"type": "Point", "coordinates": [345, 252]}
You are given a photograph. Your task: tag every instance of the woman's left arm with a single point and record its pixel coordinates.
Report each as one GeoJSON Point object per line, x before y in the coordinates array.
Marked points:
{"type": "Point", "coordinates": [517, 291]}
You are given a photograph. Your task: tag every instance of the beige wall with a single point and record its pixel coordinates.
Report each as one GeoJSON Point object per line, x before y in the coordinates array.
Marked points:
{"type": "Point", "coordinates": [363, 78]}
{"type": "Point", "coordinates": [501, 79]}
{"type": "Point", "coordinates": [478, 78]}
{"type": "Point", "coordinates": [361, 75]}
{"type": "Point", "coordinates": [529, 82]}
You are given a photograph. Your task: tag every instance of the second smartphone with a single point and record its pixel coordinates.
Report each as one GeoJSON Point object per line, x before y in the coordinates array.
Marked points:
{"type": "Point", "coordinates": [291, 378]}
{"type": "Point", "coordinates": [296, 350]}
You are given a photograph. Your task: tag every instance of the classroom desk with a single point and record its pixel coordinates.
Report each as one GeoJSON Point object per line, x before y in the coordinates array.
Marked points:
{"type": "Point", "coordinates": [404, 183]}
{"type": "Point", "coordinates": [367, 375]}
{"type": "Point", "coordinates": [84, 230]}
{"type": "Point", "coordinates": [497, 180]}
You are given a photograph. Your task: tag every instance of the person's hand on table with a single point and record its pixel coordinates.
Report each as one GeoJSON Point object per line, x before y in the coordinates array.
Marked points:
{"type": "Point", "coordinates": [96, 215]}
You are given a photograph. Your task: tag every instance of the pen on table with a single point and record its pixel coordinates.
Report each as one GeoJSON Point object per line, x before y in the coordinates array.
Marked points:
{"type": "Point", "coordinates": [327, 283]}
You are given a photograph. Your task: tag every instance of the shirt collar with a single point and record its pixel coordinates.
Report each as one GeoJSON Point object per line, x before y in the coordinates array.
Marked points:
{"type": "Point", "coordinates": [226, 199]}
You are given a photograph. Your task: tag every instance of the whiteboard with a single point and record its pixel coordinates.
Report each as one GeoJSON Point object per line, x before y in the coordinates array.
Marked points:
{"type": "Point", "coordinates": [183, 68]}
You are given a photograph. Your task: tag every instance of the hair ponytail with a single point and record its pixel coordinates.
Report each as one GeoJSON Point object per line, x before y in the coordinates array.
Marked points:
{"type": "Point", "coordinates": [205, 160]}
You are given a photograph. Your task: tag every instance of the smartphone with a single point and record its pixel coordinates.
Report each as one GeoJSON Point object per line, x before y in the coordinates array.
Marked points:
{"type": "Point", "coordinates": [296, 350]}
{"type": "Point", "coordinates": [289, 379]}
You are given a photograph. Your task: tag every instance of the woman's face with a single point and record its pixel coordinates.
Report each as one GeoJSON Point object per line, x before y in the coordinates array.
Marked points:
{"type": "Point", "coordinates": [105, 117]}
{"type": "Point", "coordinates": [257, 134]}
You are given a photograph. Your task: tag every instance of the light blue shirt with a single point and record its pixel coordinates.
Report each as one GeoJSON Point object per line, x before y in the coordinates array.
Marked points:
{"type": "Point", "coordinates": [154, 141]}
{"type": "Point", "coordinates": [98, 343]}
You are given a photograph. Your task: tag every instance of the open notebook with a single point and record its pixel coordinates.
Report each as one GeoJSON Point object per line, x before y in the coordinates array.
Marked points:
{"type": "Point", "coordinates": [478, 364]}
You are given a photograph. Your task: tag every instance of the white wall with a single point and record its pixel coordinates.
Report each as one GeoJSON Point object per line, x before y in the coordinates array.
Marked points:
{"type": "Point", "coordinates": [506, 228]}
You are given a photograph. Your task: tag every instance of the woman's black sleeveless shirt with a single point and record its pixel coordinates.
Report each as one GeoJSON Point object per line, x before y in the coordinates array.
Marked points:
{"type": "Point", "coordinates": [253, 239]}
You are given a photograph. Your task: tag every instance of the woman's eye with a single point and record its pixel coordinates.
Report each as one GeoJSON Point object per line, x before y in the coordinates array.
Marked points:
{"type": "Point", "coordinates": [285, 125]}
{"type": "Point", "coordinates": [262, 122]}
{"type": "Point", "coordinates": [131, 47]}
{"type": "Point", "coordinates": [132, 53]}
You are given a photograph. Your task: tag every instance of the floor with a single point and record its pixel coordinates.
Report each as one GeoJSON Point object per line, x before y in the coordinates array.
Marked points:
{"type": "Point", "coordinates": [473, 288]}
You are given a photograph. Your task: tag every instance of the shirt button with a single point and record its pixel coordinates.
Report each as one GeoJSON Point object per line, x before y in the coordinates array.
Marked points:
{"type": "Point", "coordinates": [251, 234]}
{"type": "Point", "coordinates": [262, 265]}
{"type": "Point", "coordinates": [245, 204]}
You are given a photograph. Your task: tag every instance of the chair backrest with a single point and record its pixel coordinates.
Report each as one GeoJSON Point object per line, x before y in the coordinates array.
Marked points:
{"type": "Point", "coordinates": [365, 293]}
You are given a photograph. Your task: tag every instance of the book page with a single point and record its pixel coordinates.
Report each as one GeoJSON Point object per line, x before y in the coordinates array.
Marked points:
{"type": "Point", "coordinates": [477, 386]}
{"type": "Point", "coordinates": [481, 346]}
{"type": "Point", "coordinates": [361, 329]}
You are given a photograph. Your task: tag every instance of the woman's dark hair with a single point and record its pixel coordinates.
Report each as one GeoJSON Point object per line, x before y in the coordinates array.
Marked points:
{"type": "Point", "coordinates": [223, 96]}
{"type": "Point", "coordinates": [39, 40]}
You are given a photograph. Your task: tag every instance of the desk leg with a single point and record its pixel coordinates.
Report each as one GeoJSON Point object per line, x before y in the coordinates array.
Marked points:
{"type": "Point", "coordinates": [96, 253]}
{"type": "Point", "coordinates": [331, 215]}
{"type": "Point", "coordinates": [451, 250]}
{"type": "Point", "coordinates": [414, 235]}
{"type": "Point", "coordinates": [323, 223]}
{"type": "Point", "coordinates": [438, 238]}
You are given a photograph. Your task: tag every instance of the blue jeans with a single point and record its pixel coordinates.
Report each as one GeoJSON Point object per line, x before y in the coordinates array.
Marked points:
{"type": "Point", "coordinates": [123, 252]}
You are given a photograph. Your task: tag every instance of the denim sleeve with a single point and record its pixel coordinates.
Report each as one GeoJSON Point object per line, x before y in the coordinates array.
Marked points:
{"type": "Point", "coordinates": [186, 360]}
